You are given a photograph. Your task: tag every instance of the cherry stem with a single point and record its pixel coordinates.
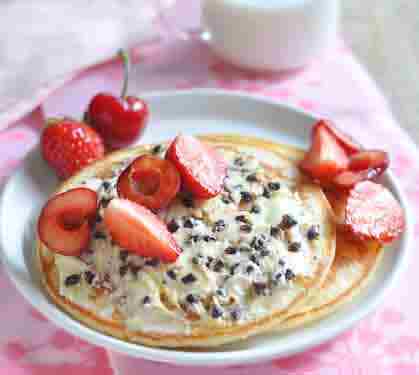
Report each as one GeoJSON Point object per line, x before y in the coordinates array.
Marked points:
{"type": "Point", "coordinates": [127, 69]}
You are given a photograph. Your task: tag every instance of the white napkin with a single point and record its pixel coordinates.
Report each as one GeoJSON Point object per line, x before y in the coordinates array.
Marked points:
{"type": "Point", "coordinates": [43, 42]}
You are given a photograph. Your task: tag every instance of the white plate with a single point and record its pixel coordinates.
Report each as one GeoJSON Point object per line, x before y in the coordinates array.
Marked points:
{"type": "Point", "coordinates": [199, 111]}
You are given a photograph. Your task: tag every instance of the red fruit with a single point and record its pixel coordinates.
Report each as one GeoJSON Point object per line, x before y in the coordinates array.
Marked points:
{"type": "Point", "coordinates": [120, 121]}
{"type": "Point", "coordinates": [372, 212]}
{"type": "Point", "coordinates": [326, 158]}
{"type": "Point", "coordinates": [68, 146]}
{"type": "Point", "coordinates": [149, 181]}
{"type": "Point", "coordinates": [63, 225]}
{"type": "Point", "coordinates": [201, 167]}
{"type": "Point", "coordinates": [349, 145]}
{"type": "Point", "coordinates": [137, 229]}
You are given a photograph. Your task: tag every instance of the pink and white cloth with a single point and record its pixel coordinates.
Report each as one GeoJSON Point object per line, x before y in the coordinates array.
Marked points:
{"type": "Point", "coordinates": [334, 86]}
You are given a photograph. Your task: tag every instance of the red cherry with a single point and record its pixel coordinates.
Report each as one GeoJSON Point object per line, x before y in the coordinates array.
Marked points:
{"type": "Point", "coordinates": [120, 120]}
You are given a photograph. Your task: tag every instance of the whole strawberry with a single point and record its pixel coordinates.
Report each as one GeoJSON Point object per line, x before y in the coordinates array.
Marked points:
{"type": "Point", "coordinates": [68, 146]}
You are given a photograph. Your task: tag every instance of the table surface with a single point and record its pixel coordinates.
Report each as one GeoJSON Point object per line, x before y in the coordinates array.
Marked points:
{"type": "Point", "coordinates": [383, 34]}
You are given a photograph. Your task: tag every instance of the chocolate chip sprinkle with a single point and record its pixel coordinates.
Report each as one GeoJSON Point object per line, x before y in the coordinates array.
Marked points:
{"type": "Point", "coordinates": [146, 300]}
{"type": "Point", "coordinates": [152, 262]}
{"type": "Point", "coordinates": [89, 276]}
{"type": "Point", "coordinates": [192, 299]}
{"type": "Point", "coordinates": [265, 253]}
{"type": "Point", "coordinates": [72, 280]}
{"type": "Point", "coordinates": [252, 178]}
{"type": "Point", "coordinates": [231, 250]}
{"type": "Point", "coordinates": [106, 185]}
{"type": "Point", "coordinates": [260, 288]}
{"type": "Point", "coordinates": [274, 186]}
{"type": "Point", "coordinates": [234, 268]}
{"type": "Point", "coordinates": [250, 269]}
{"type": "Point", "coordinates": [258, 242]}
{"type": "Point", "coordinates": [275, 231]}
{"type": "Point", "coordinates": [218, 265]}
{"type": "Point", "coordinates": [189, 278]}
{"type": "Point", "coordinates": [242, 219]}
{"type": "Point", "coordinates": [172, 226]}
{"type": "Point", "coordinates": [188, 202]}
{"type": "Point", "coordinates": [287, 222]}
{"type": "Point", "coordinates": [266, 193]}
{"type": "Point", "coordinates": [235, 314]}
{"type": "Point", "coordinates": [99, 235]}
{"type": "Point", "coordinates": [313, 233]}
{"type": "Point", "coordinates": [246, 196]}
{"type": "Point", "coordinates": [208, 238]}
{"type": "Point", "coordinates": [255, 209]}
{"type": "Point", "coordinates": [289, 275]}
{"type": "Point", "coordinates": [123, 270]}
{"type": "Point", "coordinates": [156, 149]}
{"type": "Point", "coordinates": [123, 255]}
{"type": "Point", "coordinates": [226, 200]}
{"type": "Point", "coordinates": [294, 247]}
{"type": "Point", "coordinates": [239, 162]}
{"type": "Point", "coordinates": [188, 223]}
{"type": "Point", "coordinates": [171, 274]}
{"type": "Point", "coordinates": [216, 312]}
{"type": "Point", "coordinates": [247, 228]}
{"type": "Point", "coordinates": [219, 226]}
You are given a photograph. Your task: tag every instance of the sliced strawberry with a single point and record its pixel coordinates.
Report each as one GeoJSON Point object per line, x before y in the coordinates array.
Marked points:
{"type": "Point", "coordinates": [349, 145]}
{"type": "Point", "coordinates": [202, 168]}
{"type": "Point", "coordinates": [326, 158]}
{"type": "Point", "coordinates": [135, 228]}
{"type": "Point", "coordinates": [372, 212]}
{"type": "Point", "coordinates": [63, 225]}
{"type": "Point", "coordinates": [365, 165]}
{"type": "Point", "coordinates": [149, 181]}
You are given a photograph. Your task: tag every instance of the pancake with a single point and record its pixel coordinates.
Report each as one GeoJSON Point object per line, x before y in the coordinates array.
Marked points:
{"type": "Point", "coordinates": [236, 277]}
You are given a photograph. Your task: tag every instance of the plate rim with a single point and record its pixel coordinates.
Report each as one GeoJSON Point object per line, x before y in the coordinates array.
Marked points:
{"type": "Point", "coordinates": [224, 358]}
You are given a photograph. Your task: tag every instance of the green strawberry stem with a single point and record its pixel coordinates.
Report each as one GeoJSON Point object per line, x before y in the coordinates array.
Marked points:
{"type": "Point", "coordinates": [127, 69]}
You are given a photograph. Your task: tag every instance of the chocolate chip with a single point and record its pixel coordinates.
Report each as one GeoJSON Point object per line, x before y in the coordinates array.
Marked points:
{"type": "Point", "coordinates": [123, 255]}
{"type": "Point", "coordinates": [188, 202]}
{"type": "Point", "coordinates": [221, 292]}
{"type": "Point", "coordinates": [216, 312]}
{"type": "Point", "coordinates": [233, 268]}
{"type": "Point", "coordinates": [247, 228]}
{"type": "Point", "coordinates": [250, 269]}
{"type": "Point", "coordinates": [235, 314]}
{"type": "Point", "coordinates": [171, 274]}
{"type": "Point", "coordinates": [190, 298]}
{"type": "Point", "coordinates": [89, 276]}
{"type": "Point", "coordinates": [287, 222]}
{"type": "Point", "coordinates": [134, 269]}
{"type": "Point", "coordinates": [72, 280]}
{"type": "Point", "coordinates": [189, 278]}
{"type": "Point", "coordinates": [188, 223]}
{"type": "Point", "coordinates": [274, 186]}
{"type": "Point", "coordinates": [276, 279]}
{"type": "Point", "coordinates": [146, 300]}
{"type": "Point", "coordinates": [244, 249]}
{"type": "Point", "coordinates": [242, 219]}
{"type": "Point", "coordinates": [289, 275]}
{"type": "Point", "coordinates": [195, 260]}
{"type": "Point", "coordinates": [209, 261]}
{"type": "Point", "coordinates": [195, 238]}
{"type": "Point", "coordinates": [208, 238]}
{"type": "Point", "coordinates": [99, 235]}
{"type": "Point", "coordinates": [106, 185]}
{"type": "Point", "coordinates": [265, 253]}
{"type": "Point", "coordinates": [123, 270]}
{"type": "Point", "coordinates": [260, 288]}
{"type": "Point", "coordinates": [255, 210]}
{"type": "Point", "coordinates": [313, 233]}
{"type": "Point", "coordinates": [219, 226]}
{"type": "Point", "coordinates": [252, 178]}
{"type": "Point", "coordinates": [246, 196]}
{"type": "Point", "coordinates": [239, 162]}
{"type": "Point", "coordinates": [231, 250]}
{"type": "Point", "coordinates": [156, 149]}
{"type": "Point", "coordinates": [266, 193]}
{"type": "Point", "coordinates": [226, 200]}
{"type": "Point", "coordinates": [152, 262]}
{"type": "Point", "coordinates": [258, 242]}
{"type": "Point", "coordinates": [172, 226]}
{"type": "Point", "coordinates": [281, 262]}
{"type": "Point", "coordinates": [98, 218]}
{"type": "Point", "coordinates": [294, 247]}
{"type": "Point", "coordinates": [275, 231]}
{"type": "Point", "coordinates": [254, 259]}
{"type": "Point", "coordinates": [218, 265]}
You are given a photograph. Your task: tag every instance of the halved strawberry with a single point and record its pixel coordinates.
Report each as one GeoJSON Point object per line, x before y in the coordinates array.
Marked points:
{"type": "Point", "coordinates": [149, 181]}
{"type": "Point", "coordinates": [365, 165]}
{"type": "Point", "coordinates": [370, 211]}
{"type": "Point", "coordinates": [326, 158]}
{"type": "Point", "coordinates": [345, 141]}
{"type": "Point", "coordinates": [63, 225]}
{"type": "Point", "coordinates": [136, 229]}
{"type": "Point", "coordinates": [202, 168]}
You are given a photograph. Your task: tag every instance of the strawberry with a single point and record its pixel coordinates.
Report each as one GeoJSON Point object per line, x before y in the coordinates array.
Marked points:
{"type": "Point", "coordinates": [136, 229]}
{"type": "Point", "coordinates": [63, 225]}
{"type": "Point", "coordinates": [149, 181]}
{"type": "Point", "coordinates": [365, 165]}
{"type": "Point", "coordinates": [68, 146]}
{"type": "Point", "coordinates": [347, 143]}
{"type": "Point", "coordinates": [326, 157]}
{"type": "Point", "coordinates": [369, 211]}
{"type": "Point", "coordinates": [201, 167]}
